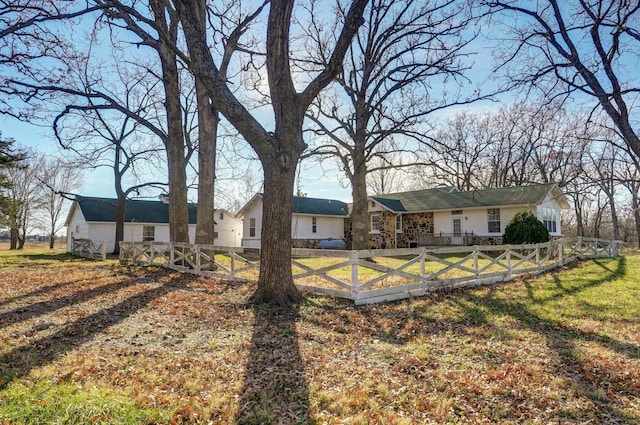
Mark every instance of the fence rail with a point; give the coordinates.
(89, 249)
(372, 276)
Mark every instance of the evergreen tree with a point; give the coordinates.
(9, 157)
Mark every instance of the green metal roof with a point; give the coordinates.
(451, 199)
(104, 210)
(317, 206)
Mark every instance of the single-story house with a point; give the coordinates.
(447, 216)
(145, 220)
(313, 221)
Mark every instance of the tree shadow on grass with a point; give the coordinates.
(21, 360)
(41, 308)
(563, 340)
(275, 389)
(40, 291)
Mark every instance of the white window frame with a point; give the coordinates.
(314, 224)
(148, 233)
(492, 213)
(252, 227)
(550, 219)
(376, 219)
(399, 223)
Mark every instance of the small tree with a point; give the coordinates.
(524, 227)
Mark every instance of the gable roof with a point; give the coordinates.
(309, 206)
(135, 210)
(318, 206)
(451, 199)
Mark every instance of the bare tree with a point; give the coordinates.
(22, 198)
(59, 179)
(403, 50)
(208, 117)
(629, 178)
(605, 161)
(577, 48)
(278, 150)
(386, 174)
(113, 119)
(458, 156)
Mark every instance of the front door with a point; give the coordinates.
(456, 238)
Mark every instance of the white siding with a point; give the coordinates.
(229, 229)
(326, 227)
(473, 220)
(301, 226)
(77, 226)
(550, 202)
(254, 210)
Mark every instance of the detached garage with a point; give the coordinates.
(144, 220)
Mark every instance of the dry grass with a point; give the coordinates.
(84, 342)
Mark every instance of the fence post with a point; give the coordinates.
(423, 254)
(198, 260)
(172, 256)
(103, 250)
(355, 286)
(561, 253)
(508, 259)
(475, 259)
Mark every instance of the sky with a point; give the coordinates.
(314, 180)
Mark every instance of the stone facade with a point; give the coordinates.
(412, 225)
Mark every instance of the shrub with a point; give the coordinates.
(524, 227)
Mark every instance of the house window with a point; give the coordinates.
(398, 224)
(314, 225)
(215, 235)
(77, 228)
(549, 219)
(148, 233)
(221, 215)
(493, 218)
(375, 223)
(252, 227)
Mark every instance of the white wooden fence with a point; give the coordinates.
(89, 249)
(372, 276)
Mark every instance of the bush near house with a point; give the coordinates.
(524, 227)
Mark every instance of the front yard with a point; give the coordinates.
(84, 342)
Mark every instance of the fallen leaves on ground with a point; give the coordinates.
(192, 348)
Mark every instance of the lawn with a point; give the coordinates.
(86, 342)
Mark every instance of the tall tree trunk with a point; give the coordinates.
(22, 238)
(359, 210)
(614, 219)
(579, 219)
(207, 134)
(278, 151)
(276, 281)
(635, 205)
(178, 210)
(120, 205)
(13, 241)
